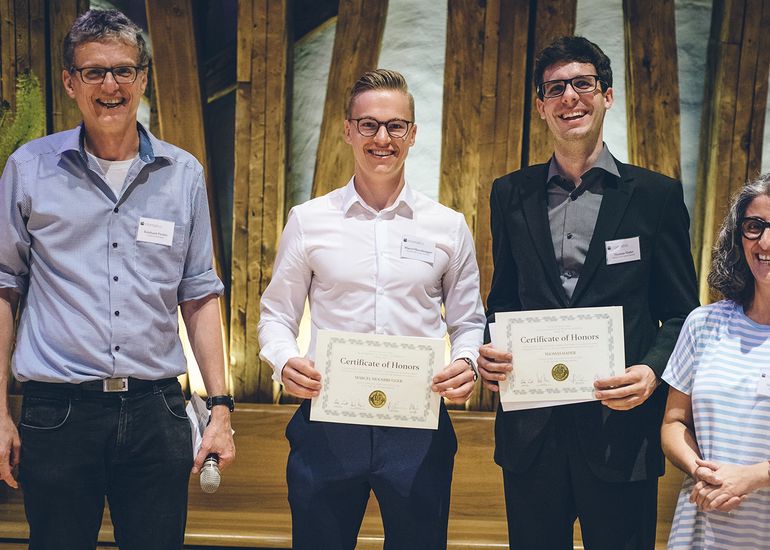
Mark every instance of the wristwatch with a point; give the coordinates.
(472, 365)
(215, 400)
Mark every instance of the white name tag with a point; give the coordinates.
(155, 231)
(763, 386)
(413, 248)
(623, 250)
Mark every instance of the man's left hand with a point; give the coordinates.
(217, 439)
(455, 382)
(628, 390)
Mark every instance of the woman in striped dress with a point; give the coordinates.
(717, 422)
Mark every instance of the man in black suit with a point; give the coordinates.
(551, 225)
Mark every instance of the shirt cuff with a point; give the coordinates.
(17, 283)
(277, 360)
(199, 286)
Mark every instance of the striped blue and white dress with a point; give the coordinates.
(718, 361)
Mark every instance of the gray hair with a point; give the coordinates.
(378, 79)
(99, 26)
(730, 274)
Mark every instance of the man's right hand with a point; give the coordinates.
(494, 365)
(10, 447)
(300, 378)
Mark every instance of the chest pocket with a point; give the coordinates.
(158, 262)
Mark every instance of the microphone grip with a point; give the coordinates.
(210, 477)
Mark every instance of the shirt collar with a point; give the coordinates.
(150, 147)
(603, 161)
(405, 200)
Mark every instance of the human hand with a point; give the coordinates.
(10, 447)
(628, 390)
(455, 381)
(217, 439)
(734, 483)
(494, 365)
(300, 378)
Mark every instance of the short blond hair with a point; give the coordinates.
(379, 79)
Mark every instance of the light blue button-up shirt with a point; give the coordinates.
(97, 301)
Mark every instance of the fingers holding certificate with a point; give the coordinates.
(377, 380)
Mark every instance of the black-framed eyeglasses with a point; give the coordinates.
(582, 84)
(95, 75)
(752, 227)
(396, 127)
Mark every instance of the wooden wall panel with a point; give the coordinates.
(553, 18)
(61, 14)
(734, 105)
(360, 24)
(652, 85)
(7, 52)
(259, 186)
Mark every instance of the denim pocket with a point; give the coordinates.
(45, 413)
(174, 401)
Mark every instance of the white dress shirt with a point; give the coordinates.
(346, 258)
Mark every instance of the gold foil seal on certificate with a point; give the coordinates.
(377, 399)
(560, 372)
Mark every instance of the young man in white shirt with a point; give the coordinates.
(343, 252)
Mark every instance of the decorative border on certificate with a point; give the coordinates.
(377, 380)
(557, 354)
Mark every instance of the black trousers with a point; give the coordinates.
(543, 502)
(332, 468)
(78, 447)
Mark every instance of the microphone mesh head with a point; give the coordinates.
(210, 479)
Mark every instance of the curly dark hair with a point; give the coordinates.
(730, 274)
(573, 48)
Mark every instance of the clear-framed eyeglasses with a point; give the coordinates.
(582, 84)
(95, 75)
(396, 127)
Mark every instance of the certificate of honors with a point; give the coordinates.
(377, 380)
(559, 353)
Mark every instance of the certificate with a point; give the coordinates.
(558, 354)
(377, 380)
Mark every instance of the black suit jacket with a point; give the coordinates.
(656, 292)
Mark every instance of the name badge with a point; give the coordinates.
(623, 250)
(155, 231)
(763, 385)
(413, 248)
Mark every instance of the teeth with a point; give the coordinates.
(381, 154)
(570, 116)
(763, 257)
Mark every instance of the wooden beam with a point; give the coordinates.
(7, 52)
(733, 117)
(553, 19)
(61, 14)
(652, 84)
(360, 24)
(260, 181)
(180, 110)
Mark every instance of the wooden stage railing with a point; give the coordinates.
(250, 510)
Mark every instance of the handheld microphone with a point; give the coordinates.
(210, 476)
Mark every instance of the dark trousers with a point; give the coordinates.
(332, 467)
(543, 502)
(78, 446)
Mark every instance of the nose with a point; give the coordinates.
(569, 93)
(382, 135)
(764, 240)
(109, 82)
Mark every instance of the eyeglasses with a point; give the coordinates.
(396, 127)
(752, 228)
(583, 84)
(96, 75)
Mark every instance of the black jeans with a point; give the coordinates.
(78, 446)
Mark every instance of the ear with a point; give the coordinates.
(69, 85)
(412, 135)
(540, 104)
(143, 81)
(609, 98)
(346, 133)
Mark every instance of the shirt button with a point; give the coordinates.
(117, 314)
(380, 291)
(114, 245)
(569, 235)
(117, 348)
(116, 209)
(115, 278)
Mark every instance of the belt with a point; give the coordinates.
(106, 385)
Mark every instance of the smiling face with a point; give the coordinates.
(380, 157)
(109, 107)
(573, 116)
(757, 252)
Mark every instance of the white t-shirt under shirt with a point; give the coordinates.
(114, 171)
(718, 361)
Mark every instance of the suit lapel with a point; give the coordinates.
(611, 213)
(533, 202)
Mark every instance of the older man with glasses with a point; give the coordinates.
(554, 227)
(106, 232)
